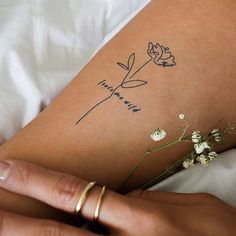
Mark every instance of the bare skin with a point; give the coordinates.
(108, 142)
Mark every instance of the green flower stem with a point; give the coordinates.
(170, 171)
(148, 152)
(186, 126)
(168, 145)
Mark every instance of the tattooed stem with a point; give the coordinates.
(93, 108)
(107, 98)
(140, 68)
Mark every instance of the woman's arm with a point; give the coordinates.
(81, 135)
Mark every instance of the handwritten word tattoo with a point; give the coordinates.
(132, 107)
(157, 53)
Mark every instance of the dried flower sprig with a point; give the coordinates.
(204, 146)
(202, 152)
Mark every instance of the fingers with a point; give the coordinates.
(61, 191)
(15, 225)
(174, 198)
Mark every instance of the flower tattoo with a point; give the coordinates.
(158, 53)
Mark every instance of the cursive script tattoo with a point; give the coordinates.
(158, 54)
(132, 107)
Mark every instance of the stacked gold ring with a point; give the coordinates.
(84, 196)
(98, 207)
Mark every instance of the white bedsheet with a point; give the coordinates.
(43, 44)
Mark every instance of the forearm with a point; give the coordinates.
(109, 139)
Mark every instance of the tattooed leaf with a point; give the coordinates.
(122, 65)
(131, 60)
(133, 83)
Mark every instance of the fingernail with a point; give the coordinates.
(4, 170)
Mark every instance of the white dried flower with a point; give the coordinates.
(188, 163)
(203, 160)
(218, 139)
(181, 116)
(214, 131)
(200, 147)
(212, 155)
(217, 135)
(158, 134)
(196, 137)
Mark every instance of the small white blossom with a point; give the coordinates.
(214, 131)
(203, 160)
(218, 139)
(212, 155)
(217, 135)
(181, 116)
(158, 134)
(200, 147)
(188, 163)
(196, 137)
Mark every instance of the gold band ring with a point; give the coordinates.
(98, 207)
(83, 197)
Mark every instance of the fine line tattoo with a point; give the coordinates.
(158, 54)
(132, 107)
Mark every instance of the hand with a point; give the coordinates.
(138, 213)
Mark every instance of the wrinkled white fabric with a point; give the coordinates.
(219, 179)
(43, 44)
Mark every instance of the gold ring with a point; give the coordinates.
(83, 197)
(98, 207)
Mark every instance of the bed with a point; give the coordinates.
(32, 35)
